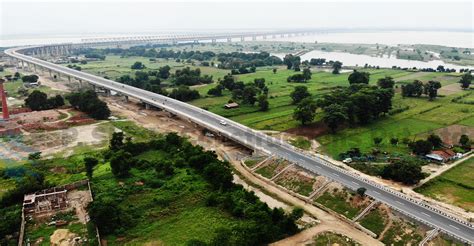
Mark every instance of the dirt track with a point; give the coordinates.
(158, 120)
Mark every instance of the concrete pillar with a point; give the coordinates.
(242, 39)
(195, 41)
(229, 40)
(34, 66)
(264, 36)
(80, 83)
(50, 73)
(69, 79)
(126, 99)
(214, 40)
(22, 64)
(147, 106)
(254, 38)
(282, 35)
(273, 36)
(59, 76)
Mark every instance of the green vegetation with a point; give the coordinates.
(455, 186)
(89, 103)
(330, 238)
(301, 143)
(402, 233)
(297, 184)
(374, 221)
(337, 201)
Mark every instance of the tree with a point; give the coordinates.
(274, 71)
(291, 61)
(464, 141)
(107, 215)
(299, 93)
(249, 95)
(361, 191)
(138, 65)
(164, 72)
(90, 163)
(183, 93)
(305, 111)
(30, 78)
(336, 66)
(116, 142)
(421, 147)
(414, 89)
(357, 77)
(431, 89)
(307, 74)
(435, 140)
(216, 91)
(377, 140)
(121, 162)
(334, 116)
(466, 80)
(386, 83)
(296, 213)
(263, 102)
(89, 103)
(407, 171)
(259, 83)
(394, 141)
(34, 156)
(37, 100)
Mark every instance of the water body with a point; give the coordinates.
(393, 38)
(386, 62)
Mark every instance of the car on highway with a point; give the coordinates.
(223, 122)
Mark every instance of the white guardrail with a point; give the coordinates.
(149, 97)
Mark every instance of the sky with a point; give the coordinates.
(76, 17)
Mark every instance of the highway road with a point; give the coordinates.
(258, 141)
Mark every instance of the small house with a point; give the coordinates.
(231, 105)
(443, 155)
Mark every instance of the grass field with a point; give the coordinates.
(336, 201)
(417, 117)
(455, 186)
(374, 221)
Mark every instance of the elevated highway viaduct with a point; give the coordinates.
(458, 228)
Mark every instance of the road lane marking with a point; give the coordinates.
(426, 214)
(399, 202)
(354, 183)
(454, 227)
(376, 192)
(335, 174)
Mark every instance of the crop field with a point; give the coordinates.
(272, 167)
(456, 186)
(421, 117)
(416, 116)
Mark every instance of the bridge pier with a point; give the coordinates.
(242, 39)
(50, 73)
(214, 41)
(254, 38)
(69, 79)
(264, 36)
(282, 35)
(229, 40)
(126, 99)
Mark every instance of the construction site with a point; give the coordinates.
(58, 216)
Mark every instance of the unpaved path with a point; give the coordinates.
(227, 151)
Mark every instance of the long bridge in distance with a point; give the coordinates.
(456, 227)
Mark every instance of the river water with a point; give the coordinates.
(454, 39)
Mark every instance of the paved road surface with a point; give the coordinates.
(262, 142)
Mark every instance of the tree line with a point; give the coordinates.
(259, 225)
(359, 103)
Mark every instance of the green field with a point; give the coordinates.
(456, 186)
(337, 201)
(415, 117)
(374, 221)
